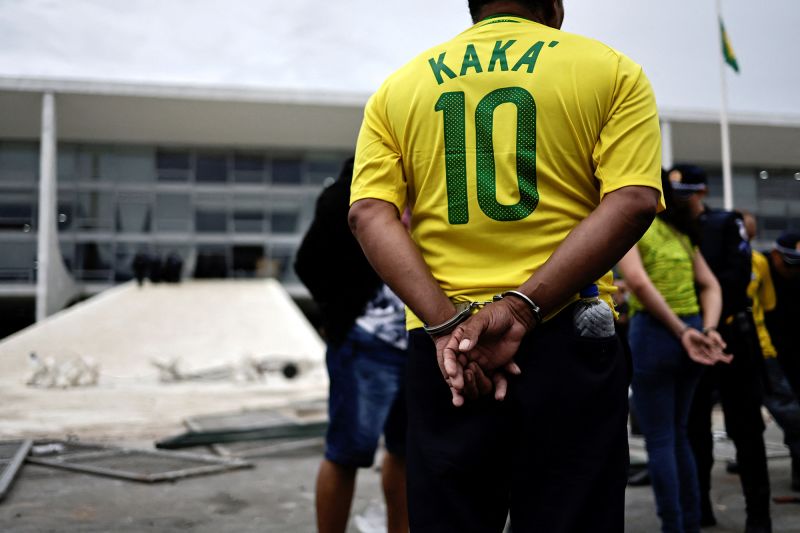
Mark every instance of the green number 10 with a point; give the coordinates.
(453, 106)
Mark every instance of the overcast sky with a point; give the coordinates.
(352, 45)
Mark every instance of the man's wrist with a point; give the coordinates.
(463, 310)
(523, 308)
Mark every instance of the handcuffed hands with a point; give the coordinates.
(476, 358)
(705, 348)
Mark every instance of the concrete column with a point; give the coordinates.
(667, 160)
(54, 285)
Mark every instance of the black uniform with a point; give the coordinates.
(725, 247)
(783, 323)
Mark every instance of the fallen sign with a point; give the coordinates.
(302, 424)
(12, 456)
(147, 466)
(290, 416)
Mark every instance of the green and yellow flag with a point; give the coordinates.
(727, 50)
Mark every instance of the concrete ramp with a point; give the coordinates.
(201, 324)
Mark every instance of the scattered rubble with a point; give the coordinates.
(249, 369)
(48, 373)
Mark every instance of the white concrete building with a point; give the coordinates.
(227, 177)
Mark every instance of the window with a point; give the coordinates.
(65, 218)
(67, 163)
(172, 165)
(212, 262)
(68, 254)
(95, 210)
(128, 164)
(211, 213)
(210, 220)
(321, 169)
(173, 212)
(17, 261)
(286, 172)
(283, 222)
(248, 213)
(93, 261)
(123, 260)
(248, 221)
(19, 162)
(774, 186)
(133, 212)
(248, 168)
(17, 210)
(89, 164)
(211, 168)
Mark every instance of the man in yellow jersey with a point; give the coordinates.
(530, 161)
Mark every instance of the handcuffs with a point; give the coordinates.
(464, 311)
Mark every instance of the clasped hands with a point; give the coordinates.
(476, 358)
(705, 348)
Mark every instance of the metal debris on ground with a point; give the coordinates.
(12, 456)
(782, 500)
(266, 431)
(148, 466)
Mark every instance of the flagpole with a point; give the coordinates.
(727, 176)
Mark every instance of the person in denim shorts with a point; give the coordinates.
(364, 327)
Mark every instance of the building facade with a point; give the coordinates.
(227, 178)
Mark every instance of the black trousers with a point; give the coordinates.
(790, 363)
(740, 390)
(555, 452)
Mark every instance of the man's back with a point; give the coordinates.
(494, 140)
(520, 118)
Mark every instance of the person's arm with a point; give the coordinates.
(394, 256)
(710, 296)
(492, 336)
(701, 348)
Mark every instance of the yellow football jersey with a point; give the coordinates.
(501, 141)
(762, 292)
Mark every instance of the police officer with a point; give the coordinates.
(725, 247)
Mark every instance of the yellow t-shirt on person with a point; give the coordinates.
(501, 141)
(762, 292)
(668, 258)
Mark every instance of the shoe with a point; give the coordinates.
(761, 525)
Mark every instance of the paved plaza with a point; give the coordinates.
(278, 496)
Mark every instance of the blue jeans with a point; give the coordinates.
(367, 399)
(664, 381)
